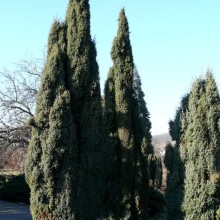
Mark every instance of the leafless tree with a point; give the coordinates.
(18, 91)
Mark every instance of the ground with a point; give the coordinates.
(14, 211)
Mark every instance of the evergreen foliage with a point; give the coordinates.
(175, 181)
(156, 203)
(71, 177)
(53, 142)
(159, 173)
(169, 157)
(218, 214)
(123, 73)
(143, 127)
(63, 161)
(118, 105)
(175, 128)
(83, 81)
(193, 163)
(128, 131)
(175, 178)
(143, 148)
(112, 188)
(200, 145)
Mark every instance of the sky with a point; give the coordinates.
(173, 42)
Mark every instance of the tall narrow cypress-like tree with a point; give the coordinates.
(83, 81)
(148, 167)
(111, 192)
(123, 72)
(142, 126)
(143, 148)
(175, 178)
(64, 158)
(52, 148)
(200, 145)
(128, 127)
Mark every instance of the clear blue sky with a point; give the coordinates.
(173, 42)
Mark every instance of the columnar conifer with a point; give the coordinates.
(172, 160)
(123, 72)
(83, 80)
(63, 161)
(200, 145)
(128, 126)
(143, 146)
(111, 194)
(51, 152)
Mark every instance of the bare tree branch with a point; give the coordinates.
(17, 104)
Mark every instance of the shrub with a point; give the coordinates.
(218, 214)
(14, 188)
(156, 202)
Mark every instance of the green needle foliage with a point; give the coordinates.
(83, 81)
(172, 160)
(118, 115)
(123, 77)
(63, 161)
(111, 192)
(143, 125)
(143, 147)
(193, 163)
(128, 131)
(53, 144)
(200, 146)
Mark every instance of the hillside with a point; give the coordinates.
(159, 142)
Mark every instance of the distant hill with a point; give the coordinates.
(159, 142)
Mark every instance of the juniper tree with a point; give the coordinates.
(52, 148)
(118, 111)
(175, 181)
(111, 192)
(169, 156)
(175, 127)
(172, 160)
(83, 82)
(148, 167)
(128, 127)
(143, 147)
(63, 162)
(200, 144)
(123, 73)
(143, 125)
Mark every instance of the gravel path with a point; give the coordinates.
(14, 211)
